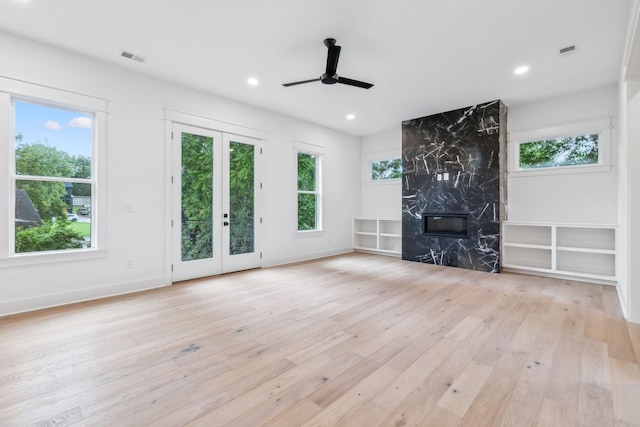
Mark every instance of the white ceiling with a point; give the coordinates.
(423, 56)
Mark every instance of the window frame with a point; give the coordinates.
(378, 156)
(371, 162)
(317, 152)
(601, 127)
(15, 90)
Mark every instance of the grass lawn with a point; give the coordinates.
(83, 228)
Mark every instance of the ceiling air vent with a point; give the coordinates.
(130, 55)
(567, 50)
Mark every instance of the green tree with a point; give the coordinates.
(241, 198)
(50, 236)
(40, 159)
(576, 150)
(307, 203)
(82, 169)
(386, 169)
(197, 197)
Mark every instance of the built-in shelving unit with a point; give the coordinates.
(579, 251)
(378, 235)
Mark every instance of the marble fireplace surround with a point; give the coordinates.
(455, 163)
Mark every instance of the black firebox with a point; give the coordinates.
(446, 224)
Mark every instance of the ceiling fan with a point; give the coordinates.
(330, 76)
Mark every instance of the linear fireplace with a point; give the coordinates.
(446, 224)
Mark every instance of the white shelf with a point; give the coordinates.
(586, 250)
(378, 235)
(580, 251)
(527, 245)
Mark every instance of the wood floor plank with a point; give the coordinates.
(465, 388)
(625, 385)
(288, 395)
(405, 383)
(349, 403)
(487, 407)
(440, 417)
(618, 340)
(295, 415)
(549, 414)
(352, 340)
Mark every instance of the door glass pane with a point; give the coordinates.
(241, 198)
(197, 197)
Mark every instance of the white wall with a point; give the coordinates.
(383, 198)
(137, 176)
(630, 295)
(629, 174)
(572, 198)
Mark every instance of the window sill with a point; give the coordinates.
(394, 181)
(309, 233)
(566, 170)
(51, 257)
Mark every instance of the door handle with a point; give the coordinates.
(226, 223)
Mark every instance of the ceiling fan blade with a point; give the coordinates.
(351, 82)
(333, 55)
(301, 82)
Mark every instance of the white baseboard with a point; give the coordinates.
(307, 257)
(623, 305)
(559, 276)
(72, 297)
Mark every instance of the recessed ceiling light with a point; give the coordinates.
(253, 81)
(351, 116)
(521, 70)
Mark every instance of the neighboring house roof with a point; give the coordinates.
(26, 213)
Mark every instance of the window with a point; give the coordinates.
(309, 217)
(573, 148)
(381, 167)
(52, 180)
(51, 155)
(386, 169)
(558, 152)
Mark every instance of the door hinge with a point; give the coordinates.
(260, 255)
(171, 223)
(171, 134)
(261, 151)
(172, 179)
(260, 220)
(261, 186)
(172, 267)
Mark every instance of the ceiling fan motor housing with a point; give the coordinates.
(329, 80)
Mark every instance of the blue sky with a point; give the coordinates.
(66, 130)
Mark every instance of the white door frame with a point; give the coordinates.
(176, 118)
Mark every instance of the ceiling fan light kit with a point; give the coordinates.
(330, 76)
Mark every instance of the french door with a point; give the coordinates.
(216, 215)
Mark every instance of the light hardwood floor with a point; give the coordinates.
(355, 340)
